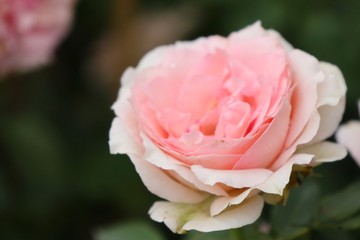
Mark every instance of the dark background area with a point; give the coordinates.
(57, 177)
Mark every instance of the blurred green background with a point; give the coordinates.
(57, 178)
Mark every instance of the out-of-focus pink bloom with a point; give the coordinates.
(349, 135)
(30, 30)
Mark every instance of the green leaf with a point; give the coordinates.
(223, 235)
(294, 219)
(252, 231)
(351, 224)
(341, 205)
(129, 231)
(332, 234)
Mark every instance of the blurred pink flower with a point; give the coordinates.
(30, 30)
(349, 135)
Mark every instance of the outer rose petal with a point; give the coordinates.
(159, 183)
(124, 132)
(232, 178)
(324, 152)
(152, 58)
(308, 75)
(273, 184)
(331, 101)
(121, 140)
(183, 217)
(349, 136)
(158, 158)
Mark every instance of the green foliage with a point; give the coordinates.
(228, 235)
(249, 232)
(129, 231)
(341, 205)
(295, 219)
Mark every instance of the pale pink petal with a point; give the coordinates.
(124, 95)
(265, 150)
(285, 44)
(199, 95)
(308, 75)
(252, 31)
(121, 140)
(222, 203)
(153, 57)
(349, 136)
(164, 161)
(276, 183)
(214, 161)
(307, 134)
(331, 101)
(177, 216)
(235, 216)
(324, 152)
(124, 133)
(159, 183)
(234, 120)
(175, 122)
(232, 178)
(333, 89)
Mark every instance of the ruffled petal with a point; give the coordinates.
(308, 75)
(184, 217)
(349, 136)
(265, 150)
(164, 161)
(160, 183)
(331, 101)
(121, 140)
(324, 152)
(232, 178)
(276, 183)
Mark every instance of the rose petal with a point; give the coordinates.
(308, 75)
(306, 136)
(252, 31)
(124, 132)
(265, 150)
(124, 95)
(333, 88)
(233, 178)
(221, 203)
(234, 217)
(121, 140)
(159, 183)
(155, 156)
(183, 217)
(276, 183)
(153, 57)
(349, 136)
(331, 99)
(324, 152)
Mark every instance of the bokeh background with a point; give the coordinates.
(57, 178)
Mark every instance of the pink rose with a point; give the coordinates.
(216, 125)
(349, 135)
(30, 30)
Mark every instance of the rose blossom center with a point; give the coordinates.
(220, 94)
